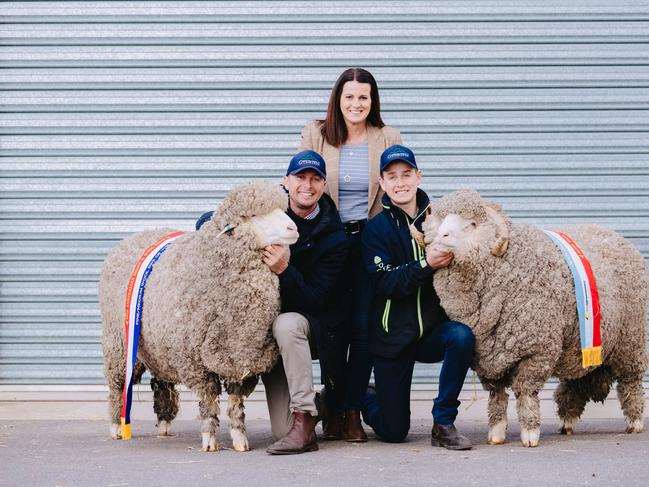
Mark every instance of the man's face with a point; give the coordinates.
(304, 189)
(400, 181)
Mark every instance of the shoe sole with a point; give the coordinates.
(355, 440)
(308, 448)
(434, 442)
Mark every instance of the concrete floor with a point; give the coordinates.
(60, 438)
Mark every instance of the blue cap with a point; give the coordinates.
(397, 153)
(307, 159)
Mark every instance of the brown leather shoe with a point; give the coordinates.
(353, 430)
(332, 427)
(300, 438)
(447, 436)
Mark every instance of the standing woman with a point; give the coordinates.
(351, 140)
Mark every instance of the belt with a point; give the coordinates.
(353, 227)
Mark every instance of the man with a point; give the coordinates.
(407, 323)
(313, 308)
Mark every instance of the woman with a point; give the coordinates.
(351, 139)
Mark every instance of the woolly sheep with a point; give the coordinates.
(511, 285)
(208, 310)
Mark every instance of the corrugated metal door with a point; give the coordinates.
(120, 116)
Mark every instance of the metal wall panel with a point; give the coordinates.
(120, 116)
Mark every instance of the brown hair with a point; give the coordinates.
(333, 127)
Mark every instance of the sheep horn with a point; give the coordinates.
(417, 236)
(499, 246)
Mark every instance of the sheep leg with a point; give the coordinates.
(570, 401)
(631, 396)
(115, 391)
(237, 423)
(209, 409)
(529, 417)
(115, 409)
(497, 410)
(527, 380)
(236, 393)
(165, 404)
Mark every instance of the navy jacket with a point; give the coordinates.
(312, 283)
(405, 304)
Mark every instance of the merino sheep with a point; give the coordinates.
(208, 310)
(511, 285)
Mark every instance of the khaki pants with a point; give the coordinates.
(289, 385)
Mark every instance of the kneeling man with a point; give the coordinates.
(407, 323)
(311, 324)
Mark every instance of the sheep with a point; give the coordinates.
(208, 310)
(510, 283)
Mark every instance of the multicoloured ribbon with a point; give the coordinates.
(133, 318)
(587, 298)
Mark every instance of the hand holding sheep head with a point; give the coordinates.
(438, 258)
(276, 257)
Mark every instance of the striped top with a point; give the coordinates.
(353, 182)
(314, 213)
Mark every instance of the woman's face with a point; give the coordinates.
(355, 102)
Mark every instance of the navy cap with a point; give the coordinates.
(397, 153)
(307, 159)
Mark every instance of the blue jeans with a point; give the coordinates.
(388, 411)
(359, 363)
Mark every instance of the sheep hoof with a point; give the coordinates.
(567, 426)
(497, 433)
(635, 426)
(530, 437)
(209, 442)
(115, 431)
(164, 428)
(239, 441)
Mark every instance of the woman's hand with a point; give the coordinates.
(276, 257)
(438, 258)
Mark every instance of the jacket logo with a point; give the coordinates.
(381, 266)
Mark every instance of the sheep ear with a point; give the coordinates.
(417, 236)
(499, 245)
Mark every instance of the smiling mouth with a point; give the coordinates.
(305, 194)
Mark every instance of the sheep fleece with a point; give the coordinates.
(202, 309)
(523, 303)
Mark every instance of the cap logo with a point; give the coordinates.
(396, 152)
(307, 160)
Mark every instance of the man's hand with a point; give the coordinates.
(276, 257)
(438, 258)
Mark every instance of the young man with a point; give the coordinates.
(407, 323)
(312, 299)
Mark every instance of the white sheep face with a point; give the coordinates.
(275, 227)
(454, 234)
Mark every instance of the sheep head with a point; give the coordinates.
(274, 228)
(261, 208)
(464, 223)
